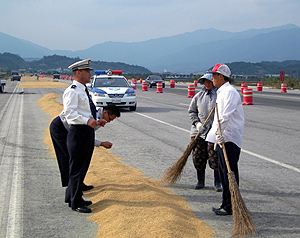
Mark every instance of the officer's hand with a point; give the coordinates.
(101, 122)
(106, 144)
(220, 140)
(199, 127)
(92, 123)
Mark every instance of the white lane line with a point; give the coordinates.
(245, 151)
(7, 104)
(15, 214)
(271, 160)
(179, 128)
(11, 167)
(6, 154)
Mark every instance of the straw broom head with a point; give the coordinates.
(172, 174)
(242, 222)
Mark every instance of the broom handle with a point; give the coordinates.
(223, 146)
(211, 112)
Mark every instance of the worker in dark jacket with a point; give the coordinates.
(200, 107)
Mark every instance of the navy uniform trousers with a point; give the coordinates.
(59, 139)
(233, 154)
(80, 144)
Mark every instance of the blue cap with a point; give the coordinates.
(205, 76)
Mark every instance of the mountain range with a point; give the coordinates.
(184, 53)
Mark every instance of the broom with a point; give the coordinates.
(242, 222)
(173, 173)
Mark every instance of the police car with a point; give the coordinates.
(110, 87)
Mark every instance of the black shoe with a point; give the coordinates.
(86, 203)
(83, 209)
(222, 212)
(215, 209)
(199, 185)
(218, 188)
(86, 187)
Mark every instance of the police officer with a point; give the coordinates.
(80, 114)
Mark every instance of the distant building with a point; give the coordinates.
(273, 75)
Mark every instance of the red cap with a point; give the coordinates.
(221, 69)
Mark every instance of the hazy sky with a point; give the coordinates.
(79, 24)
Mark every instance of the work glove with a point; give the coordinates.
(200, 127)
(215, 147)
(220, 140)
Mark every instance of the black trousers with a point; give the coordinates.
(233, 154)
(80, 144)
(59, 139)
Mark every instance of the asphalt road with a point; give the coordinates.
(31, 194)
(151, 139)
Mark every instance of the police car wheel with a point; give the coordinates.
(132, 108)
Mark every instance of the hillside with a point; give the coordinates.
(10, 61)
(197, 51)
(291, 68)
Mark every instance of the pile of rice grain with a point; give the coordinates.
(32, 82)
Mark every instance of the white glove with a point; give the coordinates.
(199, 127)
(220, 140)
(215, 147)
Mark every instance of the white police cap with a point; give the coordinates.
(83, 64)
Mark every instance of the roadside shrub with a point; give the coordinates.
(276, 83)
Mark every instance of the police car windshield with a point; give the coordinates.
(110, 82)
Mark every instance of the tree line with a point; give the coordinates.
(261, 69)
(243, 70)
(10, 62)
